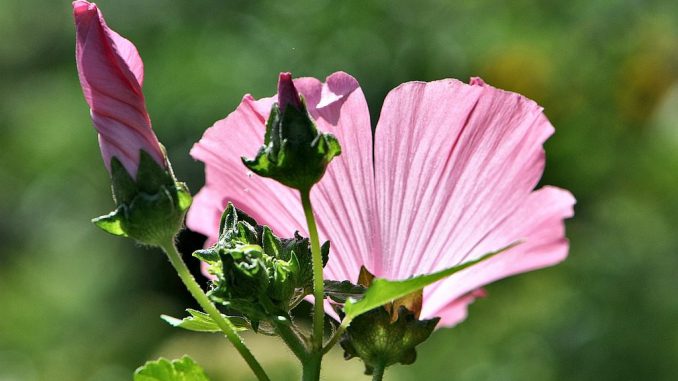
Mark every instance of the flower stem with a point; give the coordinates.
(333, 340)
(318, 292)
(295, 342)
(378, 373)
(199, 295)
(311, 367)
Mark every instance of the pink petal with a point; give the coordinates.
(111, 76)
(457, 310)
(455, 168)
(451, 161)
(538, 224)
(343, 200)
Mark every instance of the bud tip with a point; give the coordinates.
(287, 93)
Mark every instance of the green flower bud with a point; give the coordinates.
(381, 342)
(386, 335)
(256, 273)
(245, 271)
(149, 209)
(294, 153)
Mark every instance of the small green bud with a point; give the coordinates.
(381, 342)
(245, 271)
(294, 153)
(149, 209)
(385, 335)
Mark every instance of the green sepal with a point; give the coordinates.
(184, 198)
(245, 271)
(124, 187)
(202, 322)
(271, 244)
(209, 256)
(380, 341)
(149, 209)
(294, 153)
(151, 176)
(184, 369)
(325, 252)
(111, 223)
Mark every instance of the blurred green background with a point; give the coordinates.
(78, 304)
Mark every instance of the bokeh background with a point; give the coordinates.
(78, 304)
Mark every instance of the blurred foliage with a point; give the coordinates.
(605, 71)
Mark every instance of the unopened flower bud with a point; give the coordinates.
(389, 334)
(256, 273)
(287, 93)
(150, 202)
(294, 153)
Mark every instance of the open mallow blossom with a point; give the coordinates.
(111, 75)
(450, 177)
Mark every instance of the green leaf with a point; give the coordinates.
(382, 291)
(184, 369)
(111, 223)
(202, 322)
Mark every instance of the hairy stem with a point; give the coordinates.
(199, 295)
(333, 340)
(294, 341)
(318, 292)
(311, 367)
(378, 374)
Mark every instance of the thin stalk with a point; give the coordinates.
(295, 342)
(199, 295)
(378, 373)
(318, 292)
(333, 340)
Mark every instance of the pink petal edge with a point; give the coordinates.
(539, 227)
(111, 75)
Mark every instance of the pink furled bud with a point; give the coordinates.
(287, 93)
(111, 75)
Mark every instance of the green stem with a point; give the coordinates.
(311, 367)
(318, 292)
(295, 342)
(226, 326)
(333, 341)
(378, 373)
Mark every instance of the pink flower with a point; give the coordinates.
(451, 179)
(111, 75)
